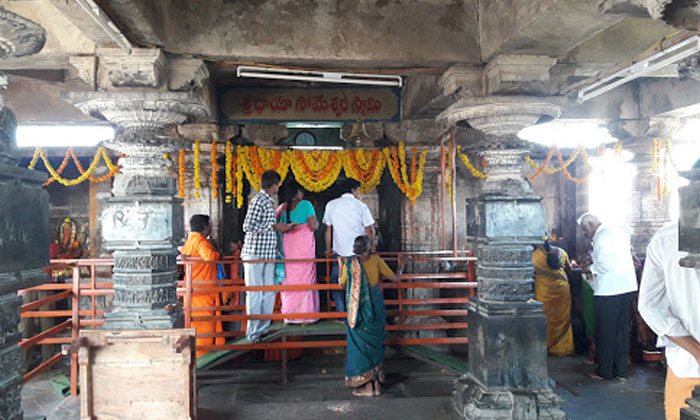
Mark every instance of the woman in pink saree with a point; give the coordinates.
(299, 243)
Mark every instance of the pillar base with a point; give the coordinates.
(474, 401)
(157, 319)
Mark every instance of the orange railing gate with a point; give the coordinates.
(399, 307)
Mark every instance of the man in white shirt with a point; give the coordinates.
(614, 283)
(669, 296)
(345, 218)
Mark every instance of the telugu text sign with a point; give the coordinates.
(331, 104)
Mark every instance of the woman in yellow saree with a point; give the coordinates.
(552, 289)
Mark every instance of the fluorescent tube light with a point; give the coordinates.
(667, 56)
(104, 22)
(319, 76)
(55, 135)
(316, 147)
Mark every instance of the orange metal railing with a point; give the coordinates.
(75, 318)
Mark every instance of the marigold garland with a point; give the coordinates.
(197, 186)
(227, 170)
(315, 170)
(396, 161)
(563, 165)
(56, 173)
(214, 180)
(365, 166)
(239, 176)
(84, 175)
(472, 170)
(181, 177)
(254, 161)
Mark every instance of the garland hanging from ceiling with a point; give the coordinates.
(84, 174)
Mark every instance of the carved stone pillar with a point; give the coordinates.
(24, 220)
(142, 222)
(649, 213)
(507, 376)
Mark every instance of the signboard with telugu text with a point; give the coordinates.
(332, 104)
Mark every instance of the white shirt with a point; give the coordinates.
(349, 217)
(668, 300)
(612, 268)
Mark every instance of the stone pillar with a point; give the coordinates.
(24, 220)
(649, 213)
(507, 376)
(142, 222)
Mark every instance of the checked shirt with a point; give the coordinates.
(260, 239)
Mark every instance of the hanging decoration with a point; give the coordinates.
(84, 174)
(447, 178)
(661, 162)
(228, 169)
(214, 180)
(365, 166)
(197, 185)
(563, 165)
(315, 170)
(239, 176)
(254, 161)
(396, 161)
(472, 170)
(181, 174)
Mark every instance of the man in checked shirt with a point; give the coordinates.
(260, 243)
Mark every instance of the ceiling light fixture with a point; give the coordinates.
(104, 22)
(656, 61)
(319, 76)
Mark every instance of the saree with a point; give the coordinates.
(299, 243)
(366, 316)
(552, 289)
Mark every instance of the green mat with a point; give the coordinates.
(438, 357)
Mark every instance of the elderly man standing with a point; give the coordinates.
(614, 283)
(668, 301)
(260, 243)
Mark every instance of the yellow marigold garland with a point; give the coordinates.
(254, 161)
(181, 177)
(365, 166)
(563, 165)
(197, 186)
(472, 170)
(239, 176)
(56, 173)
(229, 175)
(214, 180)
(315, 170)
(396, 161)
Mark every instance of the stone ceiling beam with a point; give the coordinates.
(86, 24)
(538, 27)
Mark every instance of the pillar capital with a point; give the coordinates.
(499, 115)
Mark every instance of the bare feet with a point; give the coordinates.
(595, 376)
(365, 391)
(377, 388)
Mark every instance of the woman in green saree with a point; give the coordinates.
(366, 319)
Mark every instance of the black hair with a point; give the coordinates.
(553, 260)
(289, 192)
(350, 184)
(361, 245)
(199, 222)
(269, 178)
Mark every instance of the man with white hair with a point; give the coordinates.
(614, 282)
(668, 301)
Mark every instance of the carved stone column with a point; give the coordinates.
(142, 222)
(649, 213)
(24, 220)
(507, 376)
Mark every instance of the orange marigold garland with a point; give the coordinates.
(365, 166)
(254, 161)
(197, 185)
(396, 161)
(181, 177)
(315, 170)
(60, 169)
(214, 180)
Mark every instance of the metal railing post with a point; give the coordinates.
(75, 330)
(188, 295)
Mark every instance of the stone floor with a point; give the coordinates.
(415, 390)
